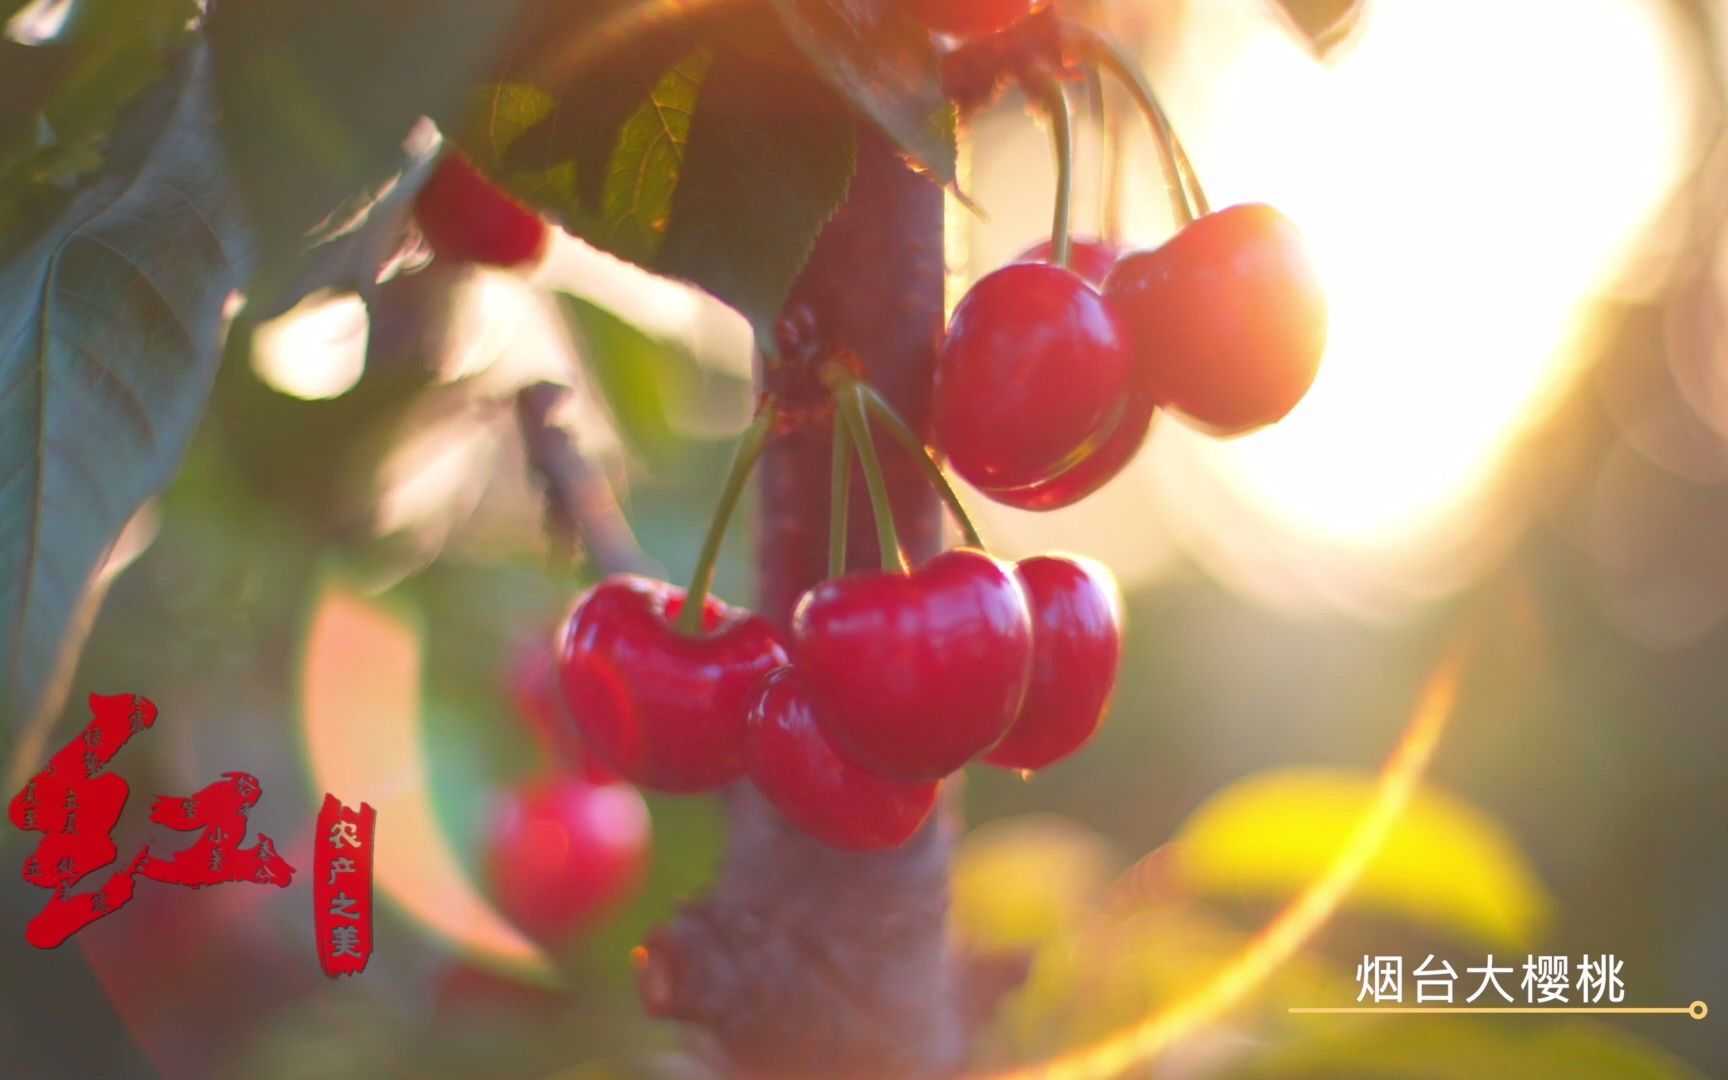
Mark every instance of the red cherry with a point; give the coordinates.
(1090, 258)
(798, 770)
(466, 218)
(1099, 468)
(973, 18)
(533, 683)
(663, 708)
(917, 673)
(1227, 319)
(1033, 378)
(1076, 650)
(561, 853)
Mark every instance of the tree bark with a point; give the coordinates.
(804, 960)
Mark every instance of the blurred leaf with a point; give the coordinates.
(881, 59)
(1021, 880)
(317, 98)
(360, 693)
(111, 319)
(643, 380)
(1465, 1049)
(1322, 25)
(703, 149)
(60, 98)
(1444, 863)
(552, 124)
(1031, 882)
(368, 231)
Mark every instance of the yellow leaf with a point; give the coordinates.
(1022, 880)
(1444, 864)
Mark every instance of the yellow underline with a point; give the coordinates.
(1697, 1010)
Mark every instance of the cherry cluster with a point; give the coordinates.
(888, 682)
(885, 682)
(1055, 365)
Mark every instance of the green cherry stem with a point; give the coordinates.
(849, 395)
(1054, 101)
(1108, 122)
(1187, 199)
(839, 496)
(913, 445)
(743, 461)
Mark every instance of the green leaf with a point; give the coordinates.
(61, 97)
(1444, 863)
(770, 159)
(318, 96)
(721, 170)
(1322, 25)
(643, 380)
(636, 202)
(366, 232)
(881, 59)
(111, 320)
(1437, 1048)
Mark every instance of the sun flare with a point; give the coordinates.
(1469, 176)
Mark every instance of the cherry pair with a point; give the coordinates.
(1049, 376)
(467, 218)
(898, 680)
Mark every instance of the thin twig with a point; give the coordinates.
(581, 509)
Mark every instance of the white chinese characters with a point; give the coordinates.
(1546, 980)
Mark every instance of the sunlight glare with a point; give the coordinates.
(1468, 175)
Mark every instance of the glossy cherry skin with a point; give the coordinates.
(1090, 258)
(1076, 652)
(1096, 469)
(916, 674)
(665, 709)
(972, 18)
(561, 853)
(796, 768)
(1227, 319)
(1033, 377)
(539, 702)
(466, 218)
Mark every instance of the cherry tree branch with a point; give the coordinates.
(581, 509)
(803, 960)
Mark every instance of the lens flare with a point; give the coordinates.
(1468, 175)
(1291, 928)
(360, 702)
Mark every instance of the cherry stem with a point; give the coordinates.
(743, 462)
(839, 496)
(913, 445)
(1050, 95)
(850, 397)
(1187, 199)
(1108, 123)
